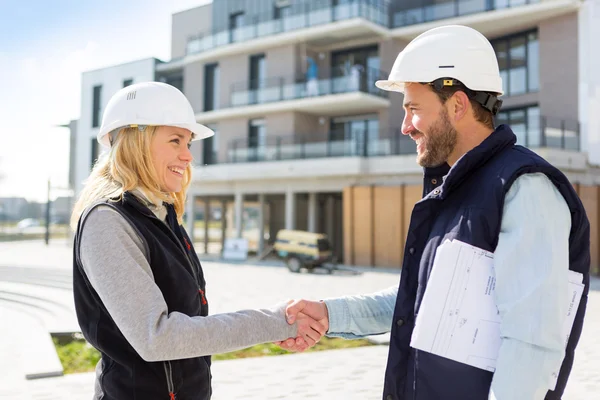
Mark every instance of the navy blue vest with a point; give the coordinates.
(467, 205)
(178, 274)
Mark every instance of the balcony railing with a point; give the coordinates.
(301, 15)
(318, 12)
(293, 147)
(551, 133)
(420, 11)
(280, 89)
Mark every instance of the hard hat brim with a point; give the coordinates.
(200, 131)
(390, 86)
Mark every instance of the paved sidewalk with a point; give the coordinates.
(30, 272)
(352, 374)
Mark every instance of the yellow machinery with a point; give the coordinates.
(301, 249)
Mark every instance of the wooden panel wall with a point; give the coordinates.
(589, 197)
(375, 223)
(388, 214)
(348, 205)
(362, 219)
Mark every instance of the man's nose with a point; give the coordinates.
(407, 126)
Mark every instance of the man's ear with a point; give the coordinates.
(459, 106)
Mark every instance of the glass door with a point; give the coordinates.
(359, 134)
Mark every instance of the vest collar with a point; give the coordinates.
(140, 202)
(502, 138)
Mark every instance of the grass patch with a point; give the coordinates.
(78, 356)
(270, 349)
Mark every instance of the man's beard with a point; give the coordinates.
(439, 142)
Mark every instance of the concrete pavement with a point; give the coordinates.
(29, 271)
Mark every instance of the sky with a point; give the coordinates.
(45, 45)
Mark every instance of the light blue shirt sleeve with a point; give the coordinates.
(531, 263)
(353, 317)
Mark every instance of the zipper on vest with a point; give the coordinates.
(169, 374)
(194, 272)
(415, 370)
(200, 291)
(192, 267)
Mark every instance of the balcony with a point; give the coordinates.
(358, 144)
(310, 14)
(552, 133)
(490, 17)
(360, 153)
(547, 132)
(342, 93)
(317, 23)
(425, 11)
(302, 157)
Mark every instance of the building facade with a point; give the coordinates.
(306, 141)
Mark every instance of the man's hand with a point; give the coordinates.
(299, 310)
(309, 329)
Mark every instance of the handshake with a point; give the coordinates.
(312, 318)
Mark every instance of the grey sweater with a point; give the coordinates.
(116, 265)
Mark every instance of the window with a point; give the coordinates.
(355, 69)
(282, 11)
(518, 59)
(258, 71)
(353, 131)
(257, 78)
(525, 123)
(97, 98)
(94, 153)
(211, 87)
(175, 80)
(127, 82)
(210, 148)
(257, 139)
(236, 22)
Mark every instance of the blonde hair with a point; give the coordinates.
(127, 166)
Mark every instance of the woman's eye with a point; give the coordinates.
(175, 141)
(189, 146)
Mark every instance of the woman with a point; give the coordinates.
(139, 287)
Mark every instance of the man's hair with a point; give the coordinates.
(127, 166)
(481, 114)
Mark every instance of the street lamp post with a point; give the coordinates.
(50, 188)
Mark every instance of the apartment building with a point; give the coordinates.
(306, 139)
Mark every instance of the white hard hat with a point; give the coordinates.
(149, 104)
(451, 51)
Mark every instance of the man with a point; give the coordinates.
(482, 189)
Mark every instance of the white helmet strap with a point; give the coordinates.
(489, 101)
